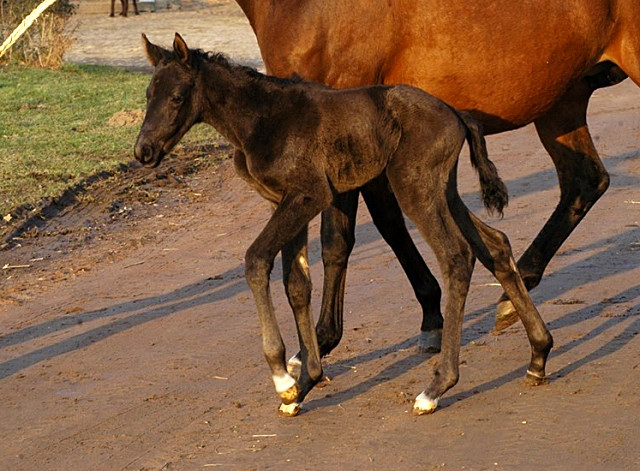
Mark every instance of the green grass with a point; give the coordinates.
(54, 131)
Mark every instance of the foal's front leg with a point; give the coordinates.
(288, 221)
(297, 284)
(338, 237)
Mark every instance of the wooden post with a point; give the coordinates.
(26, 23)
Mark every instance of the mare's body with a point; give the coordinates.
(301, 145)
(507, 62)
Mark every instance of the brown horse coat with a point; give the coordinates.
(301, 145)
(508, 62)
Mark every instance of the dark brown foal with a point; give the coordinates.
(301, 145)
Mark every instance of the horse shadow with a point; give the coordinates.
(207, 292)
(414, 360)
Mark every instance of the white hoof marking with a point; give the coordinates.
(289, 410)
(294, 362)
(283, 383)
(424, 404)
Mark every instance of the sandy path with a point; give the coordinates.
(151, 360)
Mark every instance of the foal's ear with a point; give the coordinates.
(155, 54)
(181, 49)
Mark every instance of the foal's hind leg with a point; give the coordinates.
(387, 217)
(422, 198)
(494, 251)
(456, 264)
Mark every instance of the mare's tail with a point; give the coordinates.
(494, 192)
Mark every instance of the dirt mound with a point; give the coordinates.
(126, 118)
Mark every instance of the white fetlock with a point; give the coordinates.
(424, 404)
(294, 365)
(283, 383)
(286, 387)
(289, 410)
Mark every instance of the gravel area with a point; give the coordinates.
(219, 26)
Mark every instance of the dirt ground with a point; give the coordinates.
(129, 339)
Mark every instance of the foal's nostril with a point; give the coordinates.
(147, 154)
(144, 153)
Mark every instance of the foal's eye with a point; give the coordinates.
(177, 99)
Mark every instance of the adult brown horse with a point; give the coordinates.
(508, 63)
(125, 7)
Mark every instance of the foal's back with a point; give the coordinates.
(359, 131)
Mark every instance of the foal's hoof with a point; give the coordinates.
(290, 395)
(506, 315)
(430, 341)
(294, 365)
(534, 379)
(289, 410)
(424, 405)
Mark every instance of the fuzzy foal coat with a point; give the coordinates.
(301, 145)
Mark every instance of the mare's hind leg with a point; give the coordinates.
(493, 250)
(288, 220)
(582, 177)
(387, 217)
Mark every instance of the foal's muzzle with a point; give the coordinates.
(148, 154)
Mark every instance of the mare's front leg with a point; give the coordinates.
(288, 221)
(582, 177)
(387, 217)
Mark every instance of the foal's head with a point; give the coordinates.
(173, 101)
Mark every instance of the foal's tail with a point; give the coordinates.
(494, 191)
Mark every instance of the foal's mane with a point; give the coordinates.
(199, 56)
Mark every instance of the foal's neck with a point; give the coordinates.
(238, 99)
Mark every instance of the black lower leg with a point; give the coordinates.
(387, 217)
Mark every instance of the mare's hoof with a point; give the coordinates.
(289, 410)
(506, 315)
(424, 405)
(430, 342)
